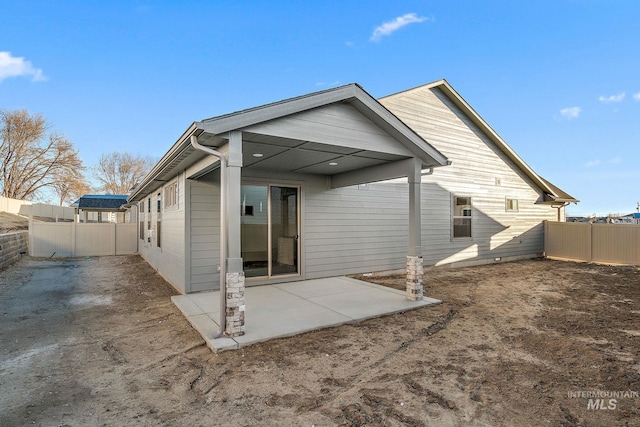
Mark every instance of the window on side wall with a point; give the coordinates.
(141, 219)
(511, 205)
(171, 196)
(159, 220)
(462, 215)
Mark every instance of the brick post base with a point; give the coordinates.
(235, 305)
(414, 278)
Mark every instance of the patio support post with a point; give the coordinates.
(235, 276)
(414, 256)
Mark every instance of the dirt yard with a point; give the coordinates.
(97, 342)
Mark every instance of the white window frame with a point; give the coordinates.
(454, 217)
(158, 220)
(508, 208)
(171, 201)
(141, 220)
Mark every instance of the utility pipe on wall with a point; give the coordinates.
(223, 230)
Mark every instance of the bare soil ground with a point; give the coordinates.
(11, 222)
(97, 342)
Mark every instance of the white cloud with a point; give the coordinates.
(390, 27)
(571, 112)
(613, 98)
(615, 160)
(612, 161)
(11, 66)
(636, 96)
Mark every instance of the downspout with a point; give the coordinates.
(564, 205)
(135, 205)
(223, 230)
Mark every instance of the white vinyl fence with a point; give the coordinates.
(26, 208)
(603, 243)
(70, 239)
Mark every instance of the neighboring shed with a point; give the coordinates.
(337, 182)
(105, 207)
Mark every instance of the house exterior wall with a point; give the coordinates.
(168, 258)
(365, 228)
(479, 170)
(355, 229)
(341, 124)
(203, 231)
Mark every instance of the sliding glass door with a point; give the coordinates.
(270, 230)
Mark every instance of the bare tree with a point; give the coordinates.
(71, 190)
(118, 172)
(31, 159)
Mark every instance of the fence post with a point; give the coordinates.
(637, 239)
(30, 233)
(546, 238)
(590, 242)
(74, 235)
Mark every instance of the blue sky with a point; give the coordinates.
(559, 80)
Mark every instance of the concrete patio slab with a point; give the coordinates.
(287, 309)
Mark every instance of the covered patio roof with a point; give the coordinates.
(272, 140)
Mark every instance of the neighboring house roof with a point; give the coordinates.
(211, 132)
(101, 202)
(552, 194)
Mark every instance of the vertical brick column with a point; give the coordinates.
(235, 304)
(414, 278)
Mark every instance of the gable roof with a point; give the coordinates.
(352, 93)
(212, 132)
(552, 194)
(105, 202)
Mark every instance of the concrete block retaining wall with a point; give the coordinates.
(12, 247)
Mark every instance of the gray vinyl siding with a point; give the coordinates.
(172, 259)
(169, 258)
(355, 230)
(341, 124)
(479, 170)
(204, 234)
